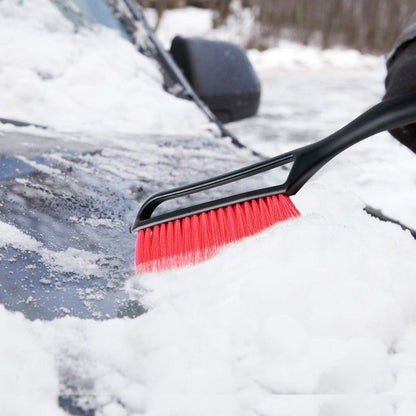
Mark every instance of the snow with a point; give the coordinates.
(28, 370)
(289, 55)
(191, 21)
(71, 260)
(314, 317)
(13, 236)
(232, 338)
(92, 80)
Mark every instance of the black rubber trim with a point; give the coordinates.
(377, 213)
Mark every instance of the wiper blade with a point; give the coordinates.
(19, 123)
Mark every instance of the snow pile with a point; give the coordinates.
(326, 327)
(28, 377)
(325, 317)
(92, 80)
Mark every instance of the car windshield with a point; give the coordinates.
(83, 72)
(90, 12)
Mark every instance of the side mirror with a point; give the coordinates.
(220, 74)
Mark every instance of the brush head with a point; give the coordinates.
(191, 240)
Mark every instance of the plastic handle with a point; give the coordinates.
(387, 115)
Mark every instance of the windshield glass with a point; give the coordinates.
(90, 12)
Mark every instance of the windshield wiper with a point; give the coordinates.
(19, 123)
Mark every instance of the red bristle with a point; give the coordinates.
(248, 215)
(162, 246)
(204, 233)
(265, 215)
(143, 247)
(230, 221)
(256, 217)
(214, 229)
(177, 239)
(154, 251)
(221, 230)
(240, 229)
(147, 254)
(186, 238)
(290, 206)
(162, 241)
(277, 208)
(272, 211)
(197, 238)
(140, 248)
(279, 212)
(284, 208)
(169, 243)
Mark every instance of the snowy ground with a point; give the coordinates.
(315, 317)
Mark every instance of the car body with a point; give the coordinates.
(68, 198)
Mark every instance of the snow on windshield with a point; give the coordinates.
(92, 80)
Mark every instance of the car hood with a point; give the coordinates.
(67, 201)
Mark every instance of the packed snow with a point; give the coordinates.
(314, 317)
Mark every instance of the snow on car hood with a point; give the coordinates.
(67, 202)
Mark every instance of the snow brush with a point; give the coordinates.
(189, 235)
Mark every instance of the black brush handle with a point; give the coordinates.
(387, 115)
